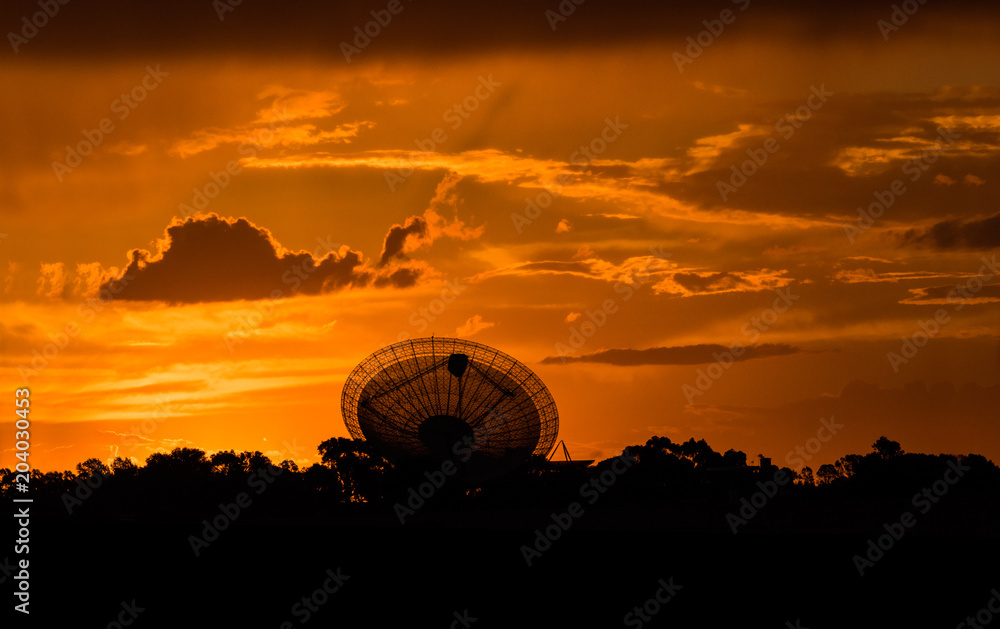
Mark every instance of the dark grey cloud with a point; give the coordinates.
(402, 277)
(316, 28)
(683, 355)
(977, 233)
(392, 246)
(711, 282)
(210, 258)
(802, 177)
(560, 266)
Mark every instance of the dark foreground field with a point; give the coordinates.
(670, 536)
(433, 572)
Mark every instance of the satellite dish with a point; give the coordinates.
(430, 400)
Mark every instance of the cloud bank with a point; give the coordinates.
(211, 258)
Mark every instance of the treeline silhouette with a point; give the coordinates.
(666, 484)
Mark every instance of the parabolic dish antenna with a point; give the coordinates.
(435, 399)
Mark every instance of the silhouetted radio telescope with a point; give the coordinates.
(429, 400)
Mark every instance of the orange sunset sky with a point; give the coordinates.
(272, 210)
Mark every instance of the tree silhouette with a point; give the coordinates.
(361, 470)
(699, 452)
(734, 457)
(849, 465)
(254, 461)
(887, 448)
(227, 463)
(180, 461)
(52, 482)
(807, 476)
(323, 481)
(124, 467)
(665, 469)
(92, 467)
(827, 473)
(666, 481)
